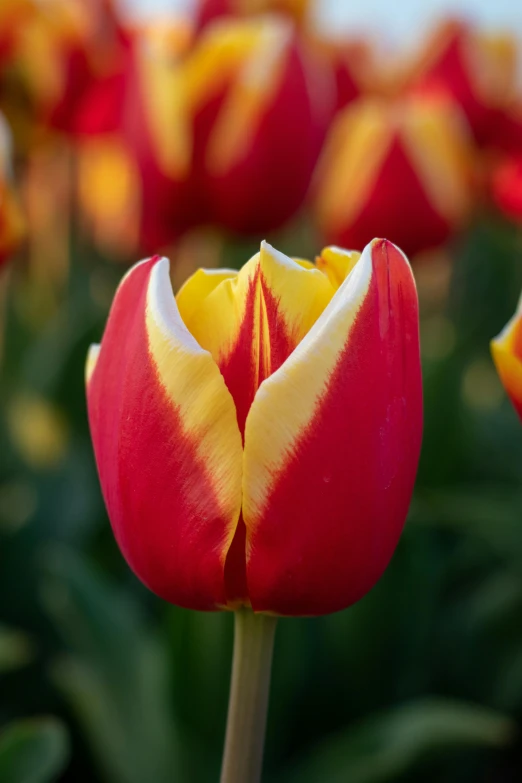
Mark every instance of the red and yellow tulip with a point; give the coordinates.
(399, 168)
(134, 165)
(507, 355)
(58, 49)
(257, 436)
(260, 107)
(225, 132)
(477, 69)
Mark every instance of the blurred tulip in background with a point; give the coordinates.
(403, 165)
(507, 353)
(476, 68)
(260, 112)
(225, 132)
(506, 186)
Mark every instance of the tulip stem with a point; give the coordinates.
(248, 702)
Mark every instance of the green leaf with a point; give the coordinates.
(489, 514)
(115, 675)
(33, 751)
(16, 649)
(384, 747)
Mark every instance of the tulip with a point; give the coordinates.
(257, 440)
(507, 355)
(401, 168)
(88, 46)
(478, 70)
(260, 104)
(506, 186)
(59, 49)
(257, 437)
(134, 156)
(209, 10)
(226, 132)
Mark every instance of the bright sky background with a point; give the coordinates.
(402, 19)
(395, 24)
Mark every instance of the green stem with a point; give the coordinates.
(248, 702)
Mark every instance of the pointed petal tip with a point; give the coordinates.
(385, 254)
(267, 249)
(150, 260)
(385, 246)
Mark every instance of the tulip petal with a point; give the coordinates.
(332, 443)
(156, 74)
(354, 154)
(337, 264)
(196, 289)
(166, 441)
(507, 355)
(251, 322)
(437, 144)
(418, 142)
(249, 58)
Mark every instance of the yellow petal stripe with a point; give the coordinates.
(439, 147)
(354, 152)
(209, 417)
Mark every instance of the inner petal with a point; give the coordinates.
(196, 289)
(337, 264)
(252, 321)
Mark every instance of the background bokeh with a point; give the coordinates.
(99, 680)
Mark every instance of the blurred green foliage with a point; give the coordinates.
(33, 751)
(422, 680)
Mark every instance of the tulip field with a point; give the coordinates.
(261, 397)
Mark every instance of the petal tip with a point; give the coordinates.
(385, 252)
(267, 251)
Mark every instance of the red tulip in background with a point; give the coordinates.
(476, 69)
(134, 166)
(257, 437)
(508, 129)
(399, 166)
(507, 354)
(59, 49)
(226, 132)
(260, 110)
(90, 55)
(506, 187)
